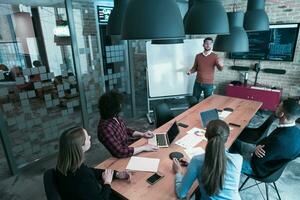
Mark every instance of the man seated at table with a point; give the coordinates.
(112, 131)
(274, 151)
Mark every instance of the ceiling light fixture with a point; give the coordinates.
(116, 17)
(237, 40)
(206, 17)
(256, 18)
(152, 19)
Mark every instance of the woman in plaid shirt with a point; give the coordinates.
(112, 131)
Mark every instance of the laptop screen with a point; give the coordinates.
(208, 116)
(173, 132)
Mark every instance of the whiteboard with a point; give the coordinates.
(167, 67)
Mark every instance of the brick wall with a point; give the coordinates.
(279, 11)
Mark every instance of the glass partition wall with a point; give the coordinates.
(56, 60)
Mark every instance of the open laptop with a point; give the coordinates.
(165, 139)
(207, 116)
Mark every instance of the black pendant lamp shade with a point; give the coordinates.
(170, 41)
(152, 19)
(190, 4)
(256, 18)
(237, 40)
(206, 17)
(116, 17)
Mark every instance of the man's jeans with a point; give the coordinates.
(206, 88)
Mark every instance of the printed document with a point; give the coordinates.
(143, 164)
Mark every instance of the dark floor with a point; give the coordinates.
(28, 184)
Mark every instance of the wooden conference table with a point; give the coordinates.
(138, 188)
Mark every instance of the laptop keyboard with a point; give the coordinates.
(161, 140)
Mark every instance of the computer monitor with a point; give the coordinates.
(207, 116)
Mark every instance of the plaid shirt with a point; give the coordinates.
(115, 136)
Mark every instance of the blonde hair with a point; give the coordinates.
(70, 155)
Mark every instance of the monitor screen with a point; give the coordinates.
(103, 14)
(277, 44)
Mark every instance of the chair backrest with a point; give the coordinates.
(162, 114)
(274, 176)
(192, 101)
(50, 185)
(254, 135)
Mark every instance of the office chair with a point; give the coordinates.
(272, 178)
(50, 185)
(192, 101)
(254, 135)
(162, 114)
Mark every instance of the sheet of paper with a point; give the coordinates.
(224, 114)
(194, 151)
(190, 140)
(143, 164)
(196, 131)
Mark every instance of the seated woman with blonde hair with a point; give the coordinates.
(73, 178)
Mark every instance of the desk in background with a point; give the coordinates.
(270, 98)
(164, 189)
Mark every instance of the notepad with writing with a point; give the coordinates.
(143, 164)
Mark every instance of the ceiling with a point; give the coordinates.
(33, 2)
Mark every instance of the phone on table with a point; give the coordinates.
(234, 124)
(182, 125)
(154, 178)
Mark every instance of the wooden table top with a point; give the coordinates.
(138, 188)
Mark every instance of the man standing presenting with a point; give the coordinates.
(204, 65)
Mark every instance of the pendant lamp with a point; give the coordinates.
(116, 17)
(206, 17)
(190, 4)
(152, 19)
(170, 41)
(237, 40)
(256, 18)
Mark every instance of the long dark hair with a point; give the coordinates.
(214, 167)
(70, 155)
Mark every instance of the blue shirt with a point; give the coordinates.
(231, 179)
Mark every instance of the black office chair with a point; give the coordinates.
(192, 101)
(162, 114)
(254, 135)
(270, 179)
(50, 185)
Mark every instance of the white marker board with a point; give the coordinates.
(167, 67)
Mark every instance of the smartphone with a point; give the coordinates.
(154, 178)
(182, 125)
(233, 124)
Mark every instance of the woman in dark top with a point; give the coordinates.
(73, 178)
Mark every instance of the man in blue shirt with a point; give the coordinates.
(280, 147)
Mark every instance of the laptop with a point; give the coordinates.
(207, 116)
(165, 139)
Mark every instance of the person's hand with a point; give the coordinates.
(107, 176)
(220, 61)
(149, 147)
(183, 162)
(259, 151)
(176, 166)
(148, 134)
(124, 175)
